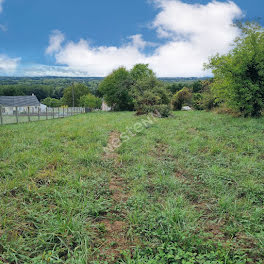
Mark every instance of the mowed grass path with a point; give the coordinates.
(192, 185)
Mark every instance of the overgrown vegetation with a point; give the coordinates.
(52, 102)
(138, 89)
(116, 90)
(182, 97)
(239, 75)
(90, 101)
(192, 190)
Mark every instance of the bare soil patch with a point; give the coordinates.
(114, 142)
(115, 239)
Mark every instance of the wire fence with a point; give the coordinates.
(12, 115)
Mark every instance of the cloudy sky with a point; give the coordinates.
(91, 38)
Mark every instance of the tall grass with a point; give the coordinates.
(195, 182)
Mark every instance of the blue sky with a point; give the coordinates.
(117, 32)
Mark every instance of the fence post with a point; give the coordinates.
(28, 114)
(53, 112)
(38, 113)
(1, 115)
(63, 112)
(17, 114)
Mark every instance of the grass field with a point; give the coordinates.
(11, 119)
(187, 189)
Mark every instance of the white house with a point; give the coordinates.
(43, 108)
(9, 104)
(105, 107)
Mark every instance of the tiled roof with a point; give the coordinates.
(19, 101)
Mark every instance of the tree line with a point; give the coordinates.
(237, 86)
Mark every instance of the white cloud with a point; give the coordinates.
(99, 61)
(8, 65)
(192, 33)
(56, 39)
(1, 5)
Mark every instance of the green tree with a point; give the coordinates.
(151, 96)
(180, 98)
(52, 102)
(91, 101)
(239, 75)
(175, 87)
(141, 71)
(116, 90)
(74, 93)
(197, 86)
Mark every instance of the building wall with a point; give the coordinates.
(21, 110)
(105, 107)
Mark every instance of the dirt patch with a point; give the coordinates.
(114, 225)
(115, 239)
(193, 131)
(46, 175)
(114, 142)
(116, 186)
(161, 152)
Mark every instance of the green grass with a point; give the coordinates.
(11, 119)
(195, 183)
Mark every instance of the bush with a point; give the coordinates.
(205, 101)
(150, 95)
(158, 110)
(239, 75)
(52, 102)
(197, 101)
(180, 98)
(223, 109)
(78, 90)
(91, 101)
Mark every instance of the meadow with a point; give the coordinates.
(183, 189)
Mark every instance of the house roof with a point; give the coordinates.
(19, 101)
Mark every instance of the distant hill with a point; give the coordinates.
(15, 80)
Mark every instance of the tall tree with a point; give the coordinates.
(116, 90)
(239, 75)
(141, 71)
(73, 93)
(91, 101)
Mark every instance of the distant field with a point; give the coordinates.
(187, 189)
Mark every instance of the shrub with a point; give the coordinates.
(158, 110)
(239, 75)
(180, 98)
(151, 96)
(197, 101)
(91, 101)
(52, 102)
(74, 93)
